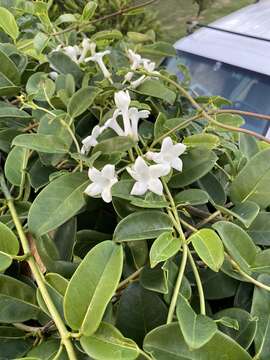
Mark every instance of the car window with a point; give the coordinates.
(248, 90)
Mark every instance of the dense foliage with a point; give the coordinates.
(134, 218)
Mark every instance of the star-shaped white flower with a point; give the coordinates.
(147, 177)
(169, 154)
(135, 59)
(91, 140)
(122, 102)
(102, 182)
(73, 52)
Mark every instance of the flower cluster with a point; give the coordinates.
(137, 62)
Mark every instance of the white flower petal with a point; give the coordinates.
(167, 144)
(141, 167)
(177, 164)
(179, 149)
(159, 170)
(93, 189)
(94, 174)
(122, 100)
(108, 171)
(155, 185)
(139, 188)
(106, 194)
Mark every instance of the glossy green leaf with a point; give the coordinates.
(196, 164)
(81, 100)
(157, 89)
(246, 212)
(191, 197)
(238, 243)
(197, 330)
(164, 247)
(47, 350)
(261, 310)
(229, 119)
(107, 343)
(253, 180)
(155, 279)
(160, 48)
(92, 286)
(13, 343)
(86, 239)
(217, 285)
(208, 141)
(15, 165)
(8, 68)
(214, 188)
(9, 245)
(8, 23)
(142, 225)
(40, 87)
(45, 143)
(247, 326)
(209, 247)
(63, 64)
(167, 343)
(259, 230)
(248, 145)
(114, 145)
(57, 203)
(107, 35)
(139, 311)
(261, 262)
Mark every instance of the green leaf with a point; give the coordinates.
(229, 119)
(214, 189)
(156, 89)
(208, 141)
(167, 343)
(107, 343)
(247, 326)
(85, 302)
(209, 247)
(9, 245)
(81, 100)
(196, 164)
(63, 64)
(197, 330)
(139, 311)
(238, 243)
(248, 145)
(261, 310)
(40, 87)
(8, 68)
(8, 23)
(114, 145)
(164, 247)
(155, 279)
(15, 165)
(87, 239)
(261, 263)
(47, 350)
(17, 301)
(50, 144)
(259, 230)
(142, 225)
(217, 285)
(159, 48)
(57, 203)
(13, 343)
(191, 197)
(107, 35)
(253, 180)
(246, 212)
(89, 10)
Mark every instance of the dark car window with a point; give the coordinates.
(248, 90)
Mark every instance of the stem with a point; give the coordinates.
(148, 357)
(205, 114)
(198, 282)
(248, 277)
(178, 284)
(64, 333)
(241, 112)
(129, 278)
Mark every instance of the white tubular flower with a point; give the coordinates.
(135, 59)
(135, 115)
(53, 75)
(149, 65)
(91, 140)
(147, 177)
(122, 101)
(113, 124)
(134, 84)
(102, 182)
(169, 154)
(86, 46)
(73, 52)
(98, 58)
(129, 76)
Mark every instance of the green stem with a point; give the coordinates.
(148, 357)
(129, 278)
(178, 284)
(198, 282)
(38, 276)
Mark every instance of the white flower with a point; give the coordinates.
(135, 115)
(135, 83)
(129, 76)
(98, 58)
(122, 101)
(91, 140)
(53, 75)
(169, 154)
(73, 52)
(149, 65)
(147, 177)
(135, 59)
(86, 46)
(113, 124)
(102, 182)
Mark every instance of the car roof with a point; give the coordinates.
(242, 51)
